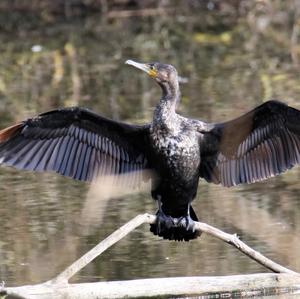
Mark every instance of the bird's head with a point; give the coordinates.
(164, 74)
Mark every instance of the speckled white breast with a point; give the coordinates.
(178, 152)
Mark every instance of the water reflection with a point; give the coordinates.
(47, 221)
(45, 226)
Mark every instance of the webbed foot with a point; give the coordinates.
(186, 222)
(163, 221)
(179, 229)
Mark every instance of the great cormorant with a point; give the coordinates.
(78, 143)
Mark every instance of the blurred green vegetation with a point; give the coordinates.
(62, 53)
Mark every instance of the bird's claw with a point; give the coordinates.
(164, 222)
(186, 222)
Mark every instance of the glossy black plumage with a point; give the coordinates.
(78, 143)
(258, 145)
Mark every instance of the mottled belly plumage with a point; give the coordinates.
(177, 159)
(179, 152)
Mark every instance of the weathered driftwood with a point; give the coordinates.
(147, 218)
(242, 285)
(246, 284)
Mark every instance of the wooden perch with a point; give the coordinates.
(219, 286)
(60, 288)
(102, 246)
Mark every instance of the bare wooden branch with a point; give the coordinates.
(217, 286)
(147, 218)
(247, 285)
(102, 246)
(244, 248)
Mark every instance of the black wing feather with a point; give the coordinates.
(75, 142)
(260, 144)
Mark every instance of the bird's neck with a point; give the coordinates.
(170, 91)
(165, 112)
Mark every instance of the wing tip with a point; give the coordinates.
(9, 132)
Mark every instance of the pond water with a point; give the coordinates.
(48, 221)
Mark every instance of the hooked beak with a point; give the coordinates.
(144, 67)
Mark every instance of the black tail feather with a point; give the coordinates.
(176, 233)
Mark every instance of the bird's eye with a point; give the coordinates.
(151, 67)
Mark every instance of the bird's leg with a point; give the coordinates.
(187, 221)
(159, 203)
(159, 212)
(162, 219)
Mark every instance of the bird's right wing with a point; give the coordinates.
(260, 144)
(77, 143)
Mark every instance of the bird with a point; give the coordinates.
(179, 151)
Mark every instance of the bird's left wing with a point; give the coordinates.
(75, 142)
(260, 144)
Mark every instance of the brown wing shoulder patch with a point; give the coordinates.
(9, 132)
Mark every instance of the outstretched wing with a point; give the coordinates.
(75, 142)
(260, 144)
